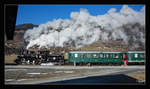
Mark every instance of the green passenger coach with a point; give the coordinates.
(105, 57)
(136, 56)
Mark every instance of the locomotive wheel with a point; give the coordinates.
(36, 62)
(33, 62)
(23, 61)
(18, 61)
(28, 62)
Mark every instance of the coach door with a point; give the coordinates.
(124, 56)
(130, 57)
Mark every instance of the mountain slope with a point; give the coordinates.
(20, 30)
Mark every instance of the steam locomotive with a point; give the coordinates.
(30, 57)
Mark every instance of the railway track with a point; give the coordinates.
(14, 74)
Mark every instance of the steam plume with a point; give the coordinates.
(84, 29)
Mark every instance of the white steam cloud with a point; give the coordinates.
(84, 29)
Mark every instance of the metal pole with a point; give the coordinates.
(74, 63)
(58, 36)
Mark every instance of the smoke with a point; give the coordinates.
(84, 29)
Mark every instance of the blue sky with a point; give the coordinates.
(40, 14)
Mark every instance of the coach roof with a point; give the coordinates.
(92, 52)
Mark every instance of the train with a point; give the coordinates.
(80, 57)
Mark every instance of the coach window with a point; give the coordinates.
(136, 55)
(95, 55)
(76, 55)
(109, 55)
(81, 55)
(124, 55)
(89, 55)
(102, 55)
(130, 55)
(142, 55)
(71, 55)
(116, 56)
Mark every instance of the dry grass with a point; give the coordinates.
(9, 59)
(139, 76)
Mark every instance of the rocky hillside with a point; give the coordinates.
(25, 27)
(20, 30)
(14, 46)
